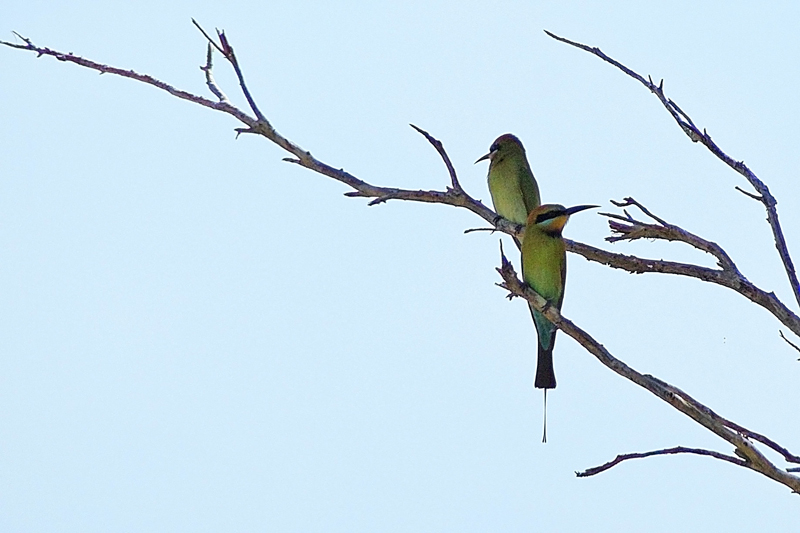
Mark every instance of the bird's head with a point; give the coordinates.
(502, 147)
(551, 218)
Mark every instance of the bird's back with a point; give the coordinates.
(513, 188)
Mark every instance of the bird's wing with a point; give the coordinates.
(529, 190)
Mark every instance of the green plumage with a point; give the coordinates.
(544, 268)
(511, 183)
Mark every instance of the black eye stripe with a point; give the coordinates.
(549, 215)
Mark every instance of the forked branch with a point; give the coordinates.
(454, 195)
(667, 451)
(734, 434)
(687, 125)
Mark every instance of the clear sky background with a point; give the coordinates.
(196, 336)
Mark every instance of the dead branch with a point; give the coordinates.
(686, 124)
(667, 451)
(728, 276)
(732, 433)
(790, 343)
(740, 284)
(454, 196)
(634, 229)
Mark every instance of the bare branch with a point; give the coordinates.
(210, 81)
(630, 201)
(302, 157)
(635, 229)
(451, 197)
(144, 78)
(678, 399)
(667, 451)
(703, 137)
(455, 196)
(793, 345)
(211, 41)
(474, 230)
(755, 197)
(440, 148)
(729, 279)
(226, 50)
(788, 456)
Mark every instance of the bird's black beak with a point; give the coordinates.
(484, 158)
(572, 210)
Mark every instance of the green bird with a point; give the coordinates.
(544, 268)
(511, 183)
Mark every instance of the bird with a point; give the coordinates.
(512, 186)
(544, 269)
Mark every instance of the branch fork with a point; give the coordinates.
(623, 228)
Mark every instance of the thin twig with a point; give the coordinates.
(628, 201)
(667, 451)
(703, 137)
(209, 39)
(446, 158)
(755, 197)
(473, 230)
(144, 78)
(793, 345)
(636, 229)
(788, 456)
(210, 81)
(227, 51)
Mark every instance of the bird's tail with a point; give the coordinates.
(544, 431)
(545, 379)
(545, 375)
(546, 338)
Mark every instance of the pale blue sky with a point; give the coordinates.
(196, 336)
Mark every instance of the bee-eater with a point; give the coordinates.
(544, 268)
(511, 183)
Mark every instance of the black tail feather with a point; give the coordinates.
(545, 374)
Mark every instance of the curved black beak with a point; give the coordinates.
(572, 210)
(485, 157)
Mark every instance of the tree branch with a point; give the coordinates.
(226, 50)
(210, 81)
(678, 399)
(738, 283)
(686, 124)
(456, 196)
(667, 451)
(728, 275)
(635, 229)
(790, 343)
(446, 158)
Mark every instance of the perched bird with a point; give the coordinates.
(544, 268)
(511, 183)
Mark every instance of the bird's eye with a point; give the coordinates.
(493, 148)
